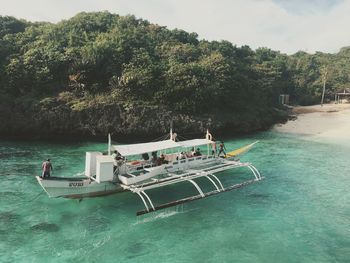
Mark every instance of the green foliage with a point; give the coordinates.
(125, 59)
(11, 25)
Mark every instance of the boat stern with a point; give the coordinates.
(40, 181)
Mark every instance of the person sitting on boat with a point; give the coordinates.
(145, 156)
(189, 154)
(181, 156)
(161, 160)
(154, 159)
(193, 152)
(198, 152)
(47, 168)
(222, 149)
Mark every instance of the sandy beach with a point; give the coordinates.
(330, 123)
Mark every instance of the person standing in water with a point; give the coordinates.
(47, 168)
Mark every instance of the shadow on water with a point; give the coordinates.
(67, 218)
(137, 249)
(258, 196)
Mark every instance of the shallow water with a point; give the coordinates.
(300, 212)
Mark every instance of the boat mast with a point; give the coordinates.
(207, 137)
(109, 144)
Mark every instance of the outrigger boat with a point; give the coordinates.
(105, 175)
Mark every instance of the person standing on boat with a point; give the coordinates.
(117, 160)
(222, 148)
(213, 148)
(47, 168)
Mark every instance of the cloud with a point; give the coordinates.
(310, 6)
(286, 25)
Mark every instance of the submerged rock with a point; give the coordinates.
(137, 249)
(259, 196)
(47, 227)
(8, 217)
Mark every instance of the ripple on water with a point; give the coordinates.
(12, 229)
(9, 194)
(10, 154)
(95, 223)
(298, 213)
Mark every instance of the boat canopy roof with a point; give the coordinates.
(140, 148)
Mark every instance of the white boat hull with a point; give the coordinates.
(81, 187)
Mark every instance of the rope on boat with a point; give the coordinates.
(161, 138)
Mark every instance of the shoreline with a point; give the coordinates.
(327, 123)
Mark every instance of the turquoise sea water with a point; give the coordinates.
(300, 212)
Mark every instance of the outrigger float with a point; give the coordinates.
(105, 175)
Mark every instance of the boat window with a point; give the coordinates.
(183, 161)
(175, 162)
(190, 160)
(198, 158)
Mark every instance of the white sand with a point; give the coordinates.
(330, 123)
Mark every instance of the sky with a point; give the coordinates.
(284, 25)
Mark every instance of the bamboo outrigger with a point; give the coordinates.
(118, 172)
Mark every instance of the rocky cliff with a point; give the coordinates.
(52, 118)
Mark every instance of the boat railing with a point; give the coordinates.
(138, 165)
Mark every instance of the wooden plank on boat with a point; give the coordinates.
(196, 197)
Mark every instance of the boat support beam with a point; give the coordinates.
(149, 199)
(211, 180)
(143, 200)
(142, 194)
(192, 198)
(197, 186)
(217, 179)
(255, 172)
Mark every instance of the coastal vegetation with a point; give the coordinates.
(101, 72)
